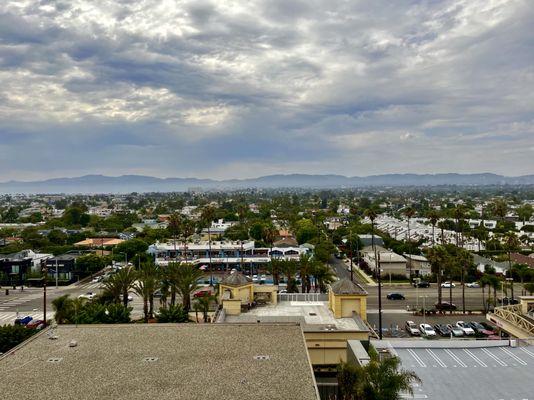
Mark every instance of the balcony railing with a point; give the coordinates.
(513, 315)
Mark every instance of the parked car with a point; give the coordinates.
(507, 301)
(473, 285)
(88, 296)
(422, 284)
(445, 306)
(448, 285)
(411, 329)
(23, 321)
(456, 331)
(464, 326)
(488, 327)
(442, 329)
(202, 293)
(480, 329)
(395, 296)
(36, 324)
(427, 330)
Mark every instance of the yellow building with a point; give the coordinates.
(517, 320)
(237, 292)
(346, 298)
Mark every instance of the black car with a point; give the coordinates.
(507, 301)
(442, 329)
(445, 306)
(422, 284)
(395, 296)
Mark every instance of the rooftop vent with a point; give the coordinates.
(312, 314)
(150, 359)
(54, 359)
(262, 358)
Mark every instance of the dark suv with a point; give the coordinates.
(395, 296)
(445, 306)
(422, 284)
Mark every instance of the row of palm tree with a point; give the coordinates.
(176, 279)
(312, 273)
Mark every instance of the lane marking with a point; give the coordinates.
(417, 358)
(527, 352)
(456, 358)
(474, 357)
(435, 357)
(497, 359)
(520, 361)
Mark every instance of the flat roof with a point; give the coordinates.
(167, 361)
(462, 371)
(313, 315)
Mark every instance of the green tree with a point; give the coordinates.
(186, 280)
(378, 380)
(131, 247)
(121, 283)
(529, 287)
(13, 335)
(323, 276)
(306, 231)
(409, 212)
(146, 285)
(173, 313)
(203, 303)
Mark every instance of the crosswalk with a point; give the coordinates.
(8, 318)
(10, 303)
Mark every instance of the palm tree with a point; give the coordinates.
(174, 227)
(438, 257)
(188, 228)
(305, 269)
(120, 284)
(500, 208)
(63, 309)
(276, 269)
(433, 216)
(459, 215)
(289, 269)
(270, 233)
(409, 212)
(187, 276)
(203, 303)
(378, 380)
(207, 217)
(323, 276)
(145, 286)
(464, 260)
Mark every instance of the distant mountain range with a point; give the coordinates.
(139, 183)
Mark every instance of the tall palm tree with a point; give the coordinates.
(145, 286)
(464, 259)
(289, 269)
(174, 227)
(305, 269)
(433, 216)
(270, 234)
(378, 380)
(409, 212)
(188, 228)
(438, 257)
(187, 276)
(207, 217)
(63, 309)
(459, 215)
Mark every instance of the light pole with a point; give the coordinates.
(350, 252)
(424, 308)
(511, 280)
(56, 274)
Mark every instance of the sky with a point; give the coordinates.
(239, 89)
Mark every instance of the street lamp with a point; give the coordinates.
(424, 308)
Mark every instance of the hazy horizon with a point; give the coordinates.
(237, 90)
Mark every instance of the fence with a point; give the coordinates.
(302, 297)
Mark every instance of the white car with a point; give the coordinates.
(473, 285)
(88, 296)
(456, 331)
(448, 285)
(427, 330)
(467, 330)
(411, 328)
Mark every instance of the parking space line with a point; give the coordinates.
(474, 357)
(520, 361)
(456, 358)
(528, 352)
(435, 357)
(417, 358)
(497, 359)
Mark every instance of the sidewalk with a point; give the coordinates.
(366, 278)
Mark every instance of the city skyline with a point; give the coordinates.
(228, 90)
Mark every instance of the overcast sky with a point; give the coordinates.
(234, 89)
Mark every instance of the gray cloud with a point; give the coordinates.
(236, 89)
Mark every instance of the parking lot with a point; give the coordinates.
(451, 373)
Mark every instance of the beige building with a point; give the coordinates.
(517, 320)
(328, 321)
(161, 361)
(419, 265)
(390, 262)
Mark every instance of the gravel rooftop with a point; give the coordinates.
(167, 361)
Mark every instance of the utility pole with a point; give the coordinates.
(350, 252)
(379, 297)
(56, 274)
(44, 270)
